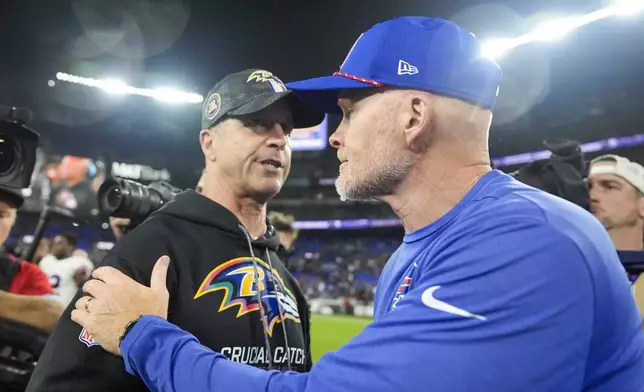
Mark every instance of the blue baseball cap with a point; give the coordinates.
(418, 53)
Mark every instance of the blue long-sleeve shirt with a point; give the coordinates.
(513, 289)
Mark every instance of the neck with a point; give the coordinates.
(250, 213)
(627, 238)
(430, 191)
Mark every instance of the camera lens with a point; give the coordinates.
(113, 197)
(110, 196)
(8, 154)
(128, 199)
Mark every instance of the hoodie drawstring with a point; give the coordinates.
(267, 342)
(281, 311)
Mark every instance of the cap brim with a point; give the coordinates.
(304, 116)
(12, 196)
(322, 93)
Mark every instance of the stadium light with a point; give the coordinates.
(119, 87)
(495, 48)
(558, 28)
(113, 86)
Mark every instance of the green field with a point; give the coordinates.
(328, 333)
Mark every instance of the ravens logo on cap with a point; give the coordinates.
(264, 76)
(212, 106)
(261, 76)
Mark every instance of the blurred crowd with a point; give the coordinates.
(344, 267)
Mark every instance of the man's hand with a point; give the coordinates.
(114, 300)
(119, 225)
(80, 276)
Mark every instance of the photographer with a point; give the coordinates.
(226, 277)
(26, 314)
(22, 284)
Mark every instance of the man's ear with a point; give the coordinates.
(207, 142)
(418, 111)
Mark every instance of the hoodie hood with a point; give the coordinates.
(192, 206)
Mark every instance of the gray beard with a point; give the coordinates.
(378, 183)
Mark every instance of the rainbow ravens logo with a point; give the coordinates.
(236, 278)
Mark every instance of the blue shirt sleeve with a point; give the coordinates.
(504, 309)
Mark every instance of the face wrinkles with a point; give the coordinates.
(370, 148)
(254, 151)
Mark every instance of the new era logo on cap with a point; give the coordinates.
(404, 68)
(418, 53)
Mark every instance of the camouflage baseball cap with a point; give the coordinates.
(250, 91)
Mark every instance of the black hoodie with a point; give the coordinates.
(214, 270)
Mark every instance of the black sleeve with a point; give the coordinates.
(70, 361)
(306, 327)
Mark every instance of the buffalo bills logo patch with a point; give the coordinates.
(402, 291)
(404, 287)
(87, 338)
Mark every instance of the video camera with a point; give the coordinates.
(122, 198)
(20, 345)
(18, 145)
(563, 174)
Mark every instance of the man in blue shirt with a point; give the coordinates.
(496, 287)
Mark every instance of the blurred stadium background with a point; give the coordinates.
(116, 89)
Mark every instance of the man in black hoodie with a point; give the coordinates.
(227, 284)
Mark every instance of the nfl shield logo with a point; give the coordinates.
(86, 338)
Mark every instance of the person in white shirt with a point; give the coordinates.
(66, 270)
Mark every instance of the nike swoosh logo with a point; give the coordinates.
(431, 302)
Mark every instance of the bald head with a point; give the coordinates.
(387, 133)
(456, 116)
